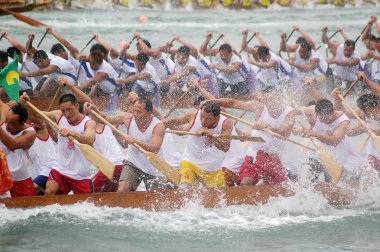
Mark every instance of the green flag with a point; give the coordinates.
(9, 80)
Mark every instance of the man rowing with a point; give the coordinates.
(73, 171)
(16, 137)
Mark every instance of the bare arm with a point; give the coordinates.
(286, 128)
(88, 137)
(145, 49)
(43, 71)
(204, 50)
(310, 66)
(25, 141)
(307, 37)
(336, 137)
(193, 49)
(234, 67)
(14, 43)
(177, 76)
(72, 49)
(254, 106)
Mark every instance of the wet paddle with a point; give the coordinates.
(249, 40)
(80, 65)
(241, 116)
(267, 131)
(123, 57)
(161, 165)
(333, 168)
(92, 155)
(350, 88)
(55, 97)
(25, 19)
(176, 103)
(234, 137)
(42, 39)
(2, 36)
(333, 35)
(216, 41)
(358, 37)
(375, 138)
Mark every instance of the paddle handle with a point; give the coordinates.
(241, 116)
(290, 35)
(123, 57)
(42, 115)
(55, 97)
(2, 36)
(216, 41)
(333, 35)
(352, 111)
(176, 103)
(89, 42)
(43, 37)
(223, 136)
(249, 40)
(267, 131)
(350, 88)
(358, 37)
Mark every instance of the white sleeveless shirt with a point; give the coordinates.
(66, 69)
(346, 73)
(371, 148)
(107, 85)
(43, 156)
(151, 84)
(71, 161)
(345, 152)
(17, 159)
(235, 155)
(200, 151)
(192, 62)
(134, 155)
(231, 78)
(106, 144)
(164, 66)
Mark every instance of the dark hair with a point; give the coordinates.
(377, 39)
(3, 56)
(147, 102)
(146, 42)
(56, 48)
(324, 107)
(40, 54)
(372, 37)
(184, 50)
(262, 51)
(142, 57)
(99, 47)
(21, 111)
(97, 56)
(12, 50)
(211, 107)
(269, 89)
(350, 42)
(306, 46)
(68, 98)
(226, 48)
(301, 40)
(368, 101)
(198, 100)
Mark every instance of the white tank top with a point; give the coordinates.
(315, 72)
(83, 75)
(235, 155)
(41, 160)
(346, 73)
(128, 67)
(371, 149)
(107, 85)
(134, 155)
(71, 161)
(106, 144)
(170, 153)
(376, 67)
(66, 69)
(268, 76)
(191, 62)
(272, 145)
(200, 151)
(345, 152)
(231, 78)
(17, 159)
(164, 66)
(151, 84)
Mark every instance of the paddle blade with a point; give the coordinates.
(333, 168)
(375, 140)
(97, 159)
(25, 19)
(166, 169)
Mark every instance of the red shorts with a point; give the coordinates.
(374, 162)
(266, 166)
(23, 188)
(103, 184)
(66, 184)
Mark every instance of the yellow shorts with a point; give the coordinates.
(190, 173)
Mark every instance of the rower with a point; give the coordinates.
(73, 171)
(203, 156)
(232, 75)
(271, 161)
(16, 137)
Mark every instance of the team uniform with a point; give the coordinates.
(106, 144)
(236, 81)
(73, 171)
(344, 152)
(345, 74)
(122, 66)
(163, 66)
(41, 160)
(108, 85)
(147, 87)
(263, 160)
(137, 167)
(201, 159)
(66, 69)
(18, 167)
(372, 152)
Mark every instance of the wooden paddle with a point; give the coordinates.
(333, 168)
(350, 88)
(176, 103)
(55, 97)
(80, 65)
(267, 131)
(92, 155)
(241, 116)
(375, 138)
(235, 137)
(25, 19)
(42, 39)
(333, 35)
(2, 36)
(216, 41)
(123, 57)
(249, 40)
(357, 38)
(161, 165)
